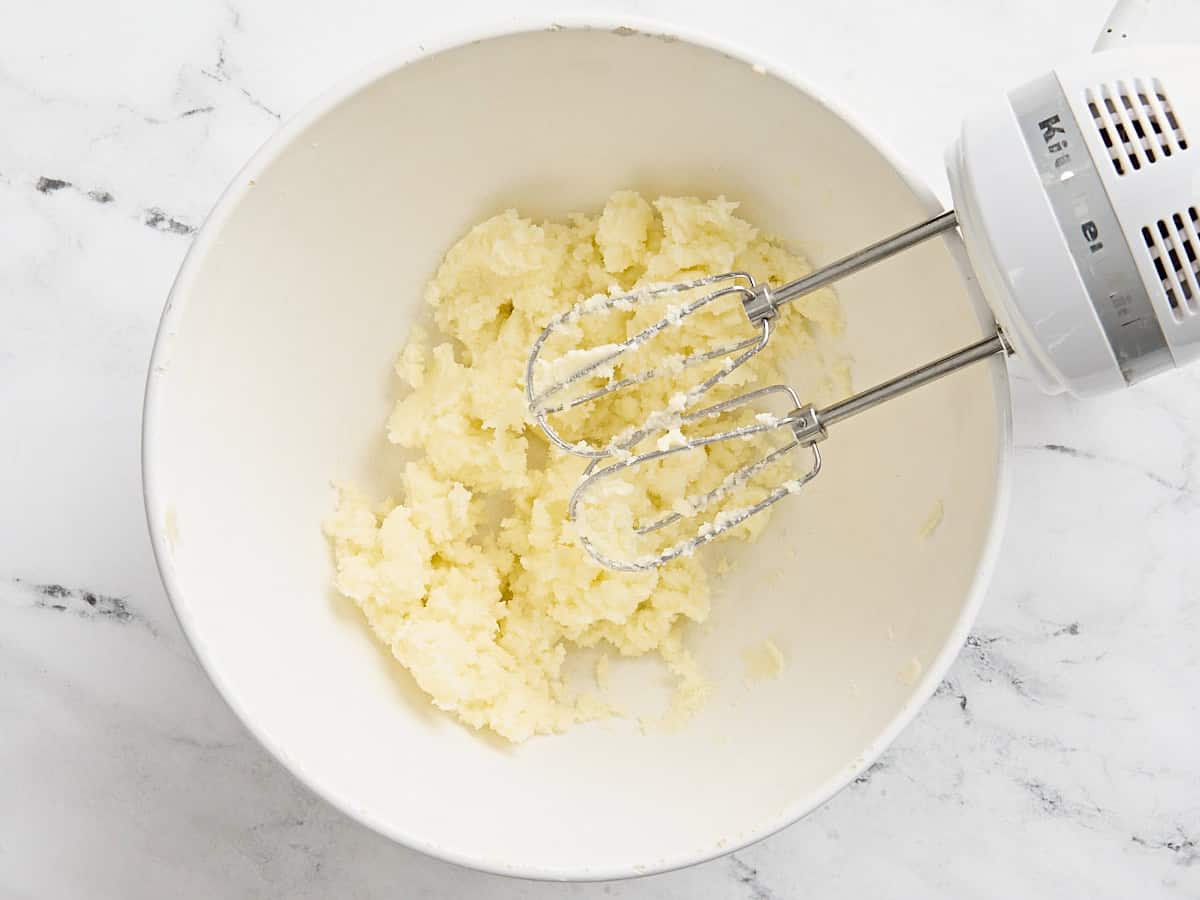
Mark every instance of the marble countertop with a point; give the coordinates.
(1060, 758)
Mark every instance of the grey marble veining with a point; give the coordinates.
(1060, 758)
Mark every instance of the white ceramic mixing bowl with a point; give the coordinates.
(272, 376)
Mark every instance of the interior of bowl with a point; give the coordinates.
(273, 377)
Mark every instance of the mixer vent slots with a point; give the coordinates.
(1136, 122)
(1174, 244)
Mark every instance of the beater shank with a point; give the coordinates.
(766, 301)
(810, 424)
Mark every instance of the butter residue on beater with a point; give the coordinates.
(484, 613)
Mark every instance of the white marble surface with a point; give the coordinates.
(1061, 758)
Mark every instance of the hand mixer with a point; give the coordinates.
(1078, 199)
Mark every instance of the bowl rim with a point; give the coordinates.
(176, 305)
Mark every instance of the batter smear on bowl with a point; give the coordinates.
(472, 575)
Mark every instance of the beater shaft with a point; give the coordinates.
(766, 301)
(809, 423)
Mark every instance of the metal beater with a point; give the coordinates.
(1086, 181)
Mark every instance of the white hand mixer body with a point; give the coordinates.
(1078, 199)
